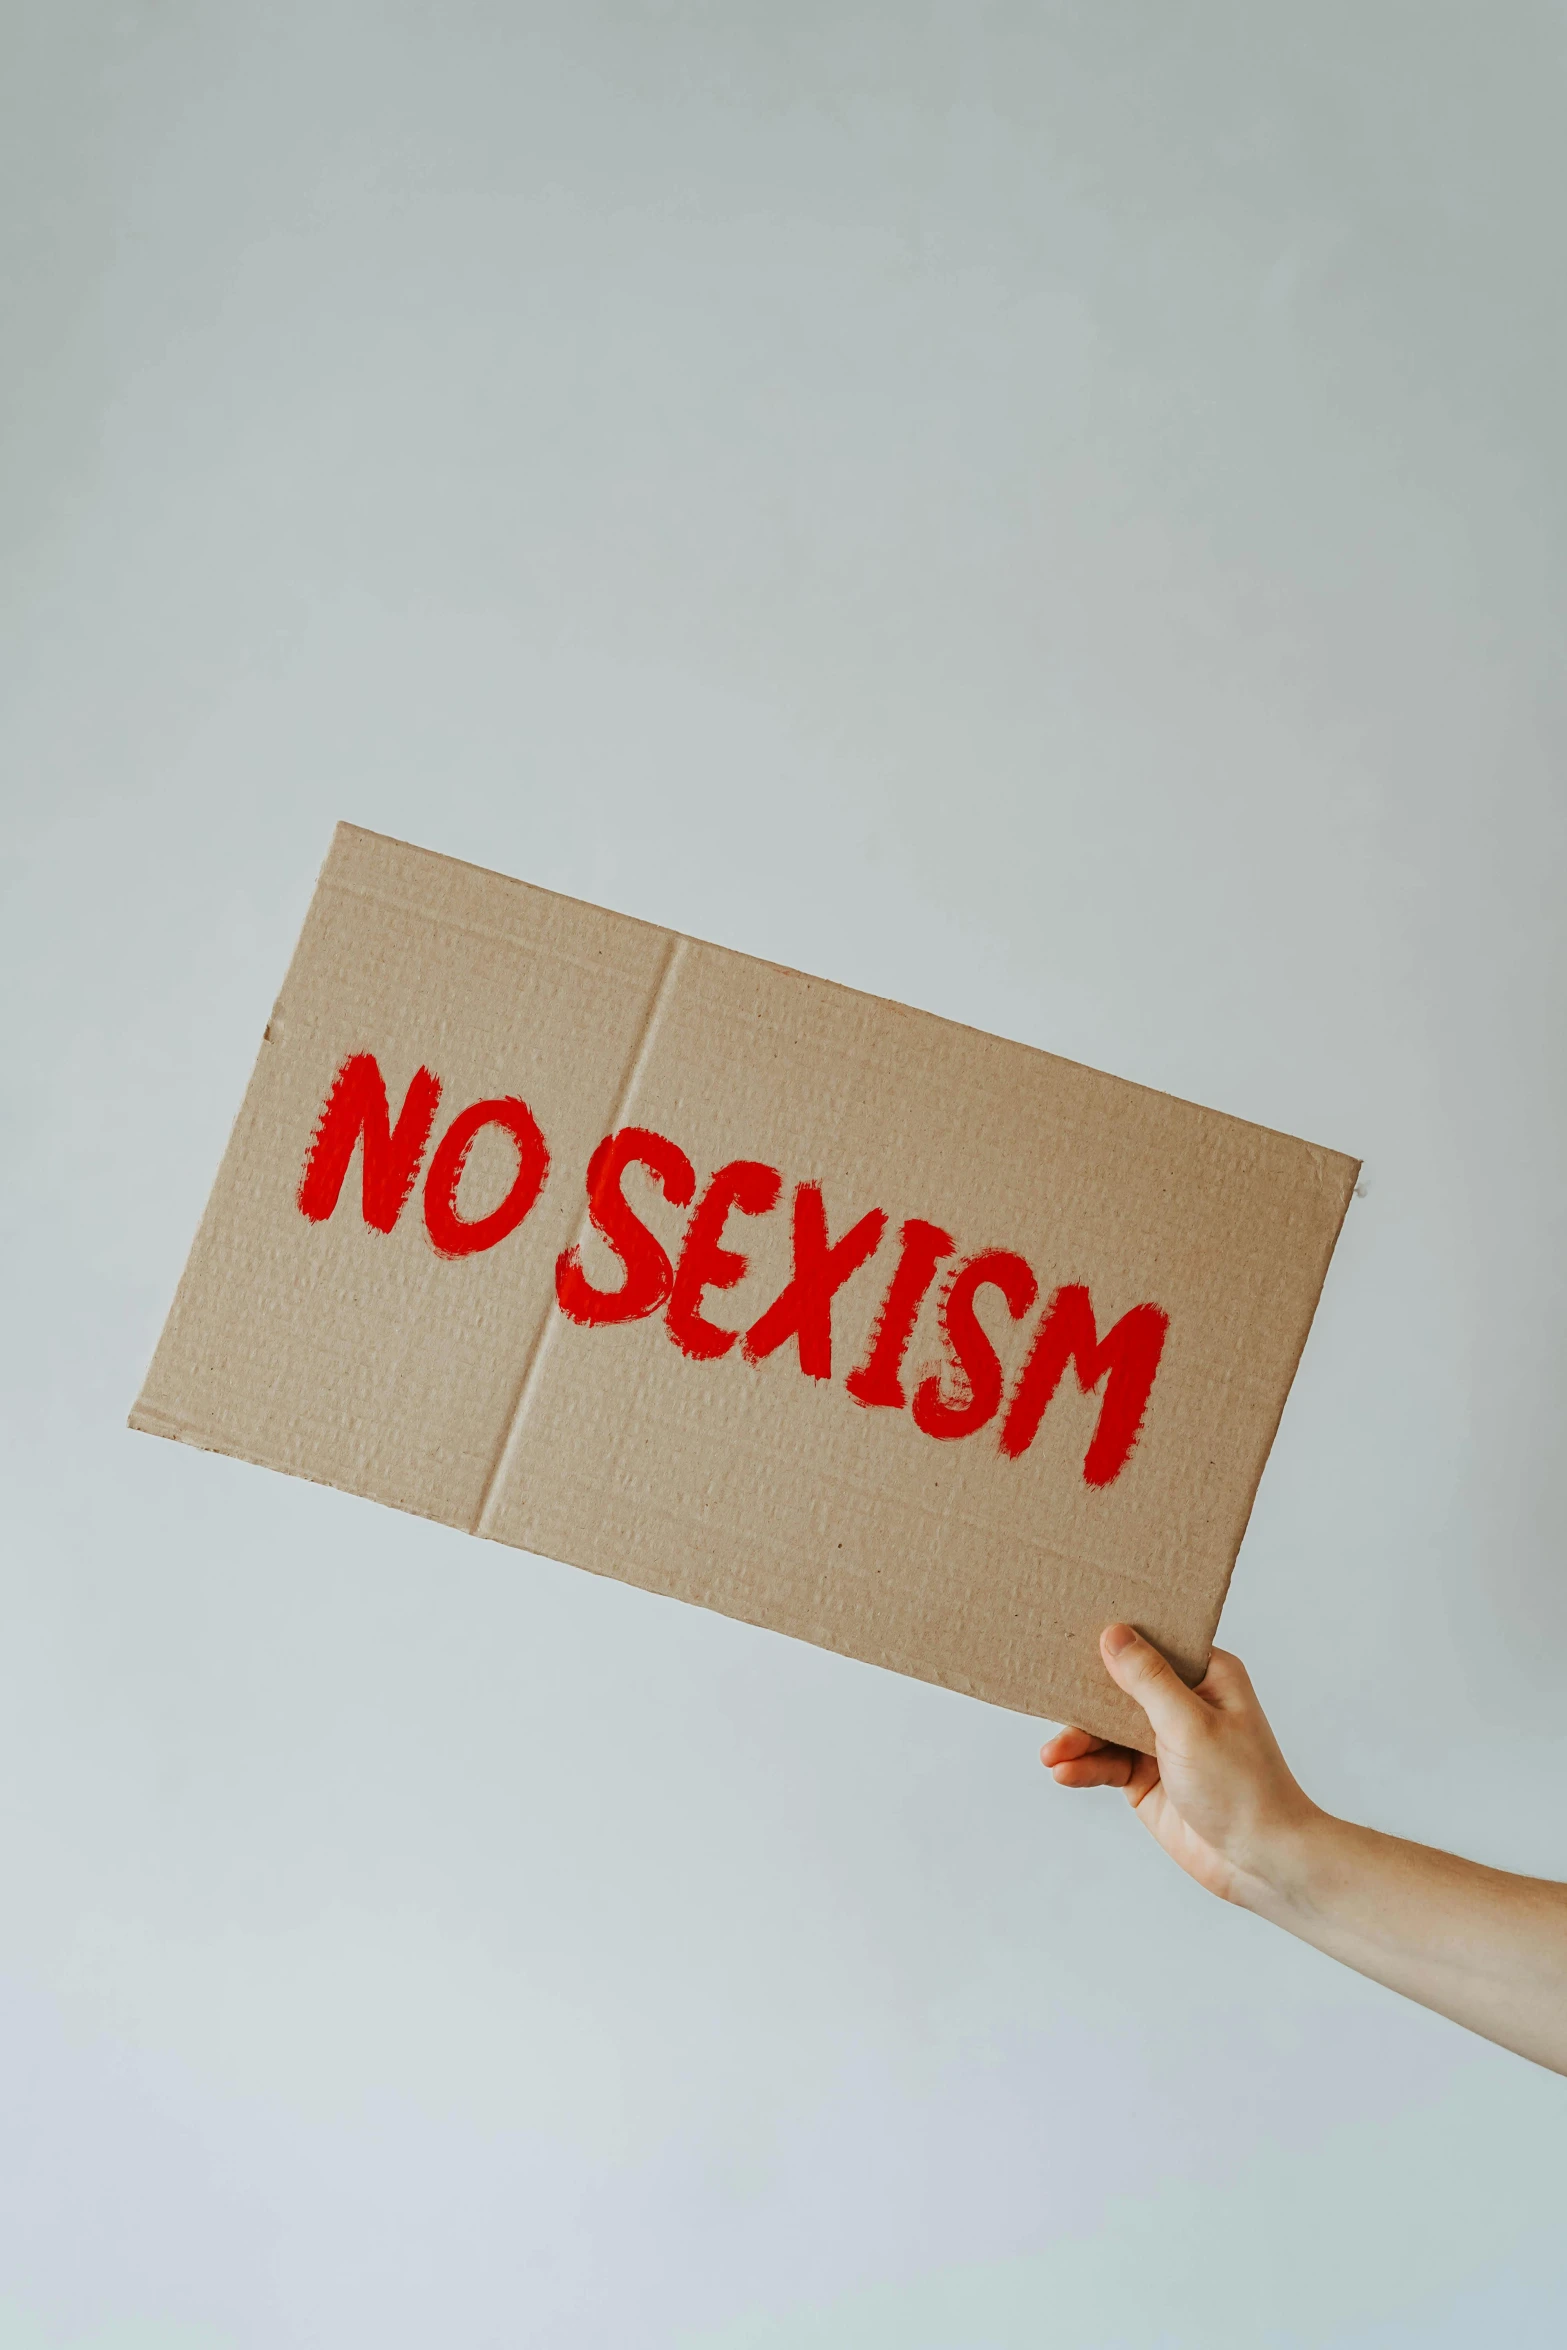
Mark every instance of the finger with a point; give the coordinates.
(1136, 1666)
(1067, 1745)
(1111, 1768)
(1227, 1683)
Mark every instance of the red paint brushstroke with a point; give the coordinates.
(804, 1309)
(978, 1367)
(455, 1235)
(356, 1111)
(750, 1187)
(876, 1381)
(1126, 1358)
(649, 1274)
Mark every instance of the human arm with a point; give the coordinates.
(1485, 1948)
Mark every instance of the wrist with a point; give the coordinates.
(1285, 1867)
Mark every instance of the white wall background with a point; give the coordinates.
(1051, 511)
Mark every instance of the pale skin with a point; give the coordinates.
(1485, 1948)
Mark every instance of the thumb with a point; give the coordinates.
(1136, 1666)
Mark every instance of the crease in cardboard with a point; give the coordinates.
(623, 1485)
(853, 1053)
(440, 920)
(549, 1319)
(496, 938)
(837, 1630)
(943, 1515)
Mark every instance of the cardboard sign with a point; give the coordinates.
(746, 1288)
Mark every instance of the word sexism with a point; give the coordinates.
(966, 1397)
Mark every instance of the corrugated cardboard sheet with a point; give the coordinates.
(908, 1503)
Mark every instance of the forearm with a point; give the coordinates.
(1486, 1949)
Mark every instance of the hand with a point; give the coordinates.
(1217, 1795)
(1487, 1949)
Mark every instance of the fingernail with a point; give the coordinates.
(1115, 1637)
